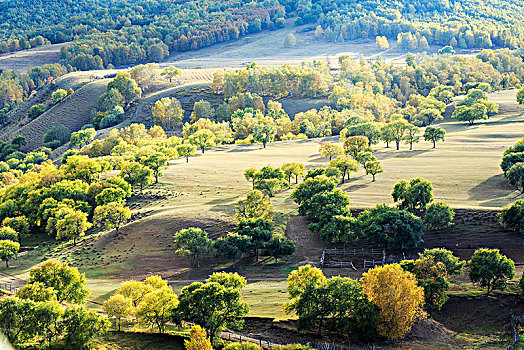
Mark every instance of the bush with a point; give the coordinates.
(58, 96)
(439, 216)
(53, 144)
(59, 132)
(521, 285)
(36, 111)
(293, 347)
(512, 217)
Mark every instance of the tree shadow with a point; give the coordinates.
(486, 190)
(411, 154)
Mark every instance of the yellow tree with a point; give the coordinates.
(119, 307)
(199, 340)
(400, 299)
(300, 279)
(168, 113)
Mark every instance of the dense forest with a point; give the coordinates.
(106, 34)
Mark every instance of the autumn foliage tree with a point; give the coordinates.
(397, 294)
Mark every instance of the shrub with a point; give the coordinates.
(58, 132)
(521, 285)
(58, 96)
(36, 111)
(439, 216)
(512, 217)
(242, 346)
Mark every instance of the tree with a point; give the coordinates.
(355, 145)
(112, 216)
(453, 265)
(8, 233)
(192, 242)
(256, 205)
(515, 176)
(232, 247)
(490, 269)
(8, 250)
(390, 227)
(374, 168)
(36, 291)
(19, 141)
(296, 169)
(202, 109)
(330, 150)
(251, 175)
(186, 150)
(70, 223)
(168, 113)
(170, 72)
(203, 139)
(228, 280)
(520, 96)
(512, 217)
(110, 195)
(82, 137)
(119, 307)
(471, 113)
(198, 339)
(400, 299)
(290, 40)
(134, 291)
(36, 111)
(69, 284)
(371, 130)
(413, 195)
(398, 130)
(136, 174)
(109, 100)
(58, 96)
(81, 326)
(386, 134)
(156, 162)
(278, 247)
(259, 230)
(434, 134)
(127, 87)
(265, 133)
(299, 280)
(438, 216)
(427, 116)
(157, 308)
(345, 164)
(411, 135)
(212, 306)
(340, 228)
(303, 193)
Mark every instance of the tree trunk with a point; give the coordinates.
(203, 149)
(264, 144)
(434, 143)
(373, 177)
(156, 178)
(117, 231)
(398, 145)
(411, 146)
(387, 144)
(7, 263)
(296, 179)
(187, 159)
(74, 240)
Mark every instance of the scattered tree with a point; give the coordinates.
(490, 269)
(192, 242)
(434, 134)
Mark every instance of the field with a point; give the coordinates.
(38, 56)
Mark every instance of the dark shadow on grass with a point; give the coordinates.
(484, 191)
(355, 188)
(411, 154)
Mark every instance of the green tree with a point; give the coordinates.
(136, 174)
(356, 145)
(232, 247)
(202, 109)
(192, 242)
(434, 134)
(427, 117)
(127, 87)
(264, 132)
(118, 307)
(170, 72)
(36, 111)
(259, 230)
(19, 141)
(330, 150)
(512, 217)
(203, 139)
(110, 195)
(69, 284)
(298, 281)
(168, 113)
(453, 264)
(186, 150)
(82, 137)
(36, 291)
(432, 276)
(339, 229)
(345, 164)
(471, 113)
(403, 229)
(515, 176)
(58, 96)
(398, 130)
(71, 223)
(81, 326)
(490, 269)
(251, 175)
(411, 135)
(303, 192)
(157, 308)
(8, 250)
(8, 233)
(438, 216)
(520, 96)
(212, 306)
(112, 216)
(290, 40)
(156, 162)
(278, 247)
(109, 100)
(413, 195)
(256, 205)
(293, 169)
(373, 168)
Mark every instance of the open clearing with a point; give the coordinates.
(35, 57)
